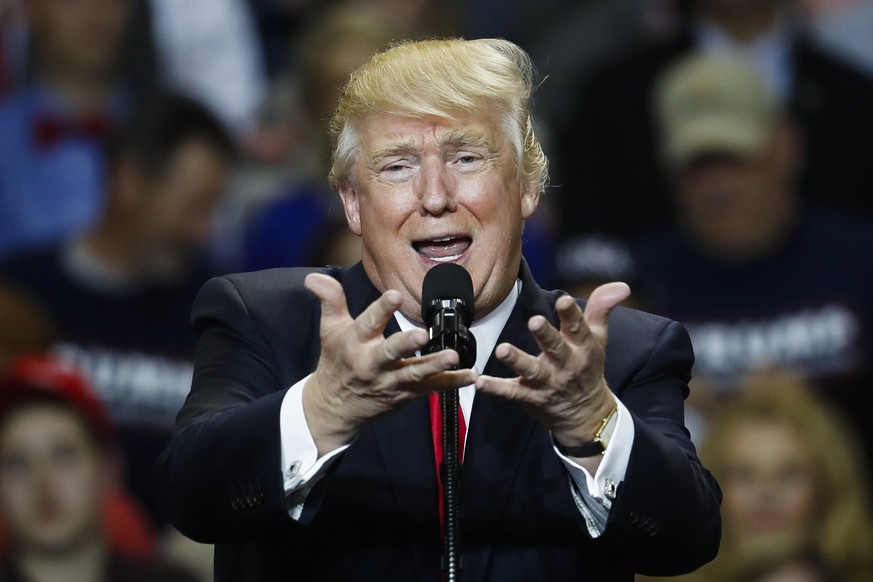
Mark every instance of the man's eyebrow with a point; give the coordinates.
(395, 149)
(469, 138)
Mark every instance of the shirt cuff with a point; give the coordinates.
(602, 487)
(301, 466)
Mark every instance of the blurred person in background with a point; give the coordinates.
(792, 472)
(210, 50)
(760, 278)
(119, 294)
(299, 216)
(608, 174)
(59, 485)
(75, 89)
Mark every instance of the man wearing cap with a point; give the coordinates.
(58, 472)
(760, 279)
(612, 181)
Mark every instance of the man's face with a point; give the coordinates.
(81, 36)
(174, 211)
(52, 478)
(429, 191)
(737, 207)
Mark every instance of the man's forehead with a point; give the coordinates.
(391, 132)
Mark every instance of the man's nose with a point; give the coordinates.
(435, 188)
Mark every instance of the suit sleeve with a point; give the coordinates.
(221, 473)
(666, 516)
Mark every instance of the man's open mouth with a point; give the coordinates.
(443, 249)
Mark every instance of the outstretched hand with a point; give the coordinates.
(564, 387)
(361, 374)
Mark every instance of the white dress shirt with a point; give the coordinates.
(302, 468)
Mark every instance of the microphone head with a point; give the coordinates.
(447, 281)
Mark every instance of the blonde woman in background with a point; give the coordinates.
(791, 469)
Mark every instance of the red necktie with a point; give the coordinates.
(436, 429)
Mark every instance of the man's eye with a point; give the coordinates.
(396, 171)
(466, 162)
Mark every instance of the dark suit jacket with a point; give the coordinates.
(374, 515)
(608, 172)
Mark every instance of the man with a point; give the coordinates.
(761, 279)
(606, 160)
(58, 470)
(54, 121)
(118, 295)
(304, 448)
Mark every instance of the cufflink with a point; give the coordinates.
(610, 488)
(294, 468)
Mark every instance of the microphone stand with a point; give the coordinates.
(449, 403)
(448, 307)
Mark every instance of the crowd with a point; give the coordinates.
(713, 154)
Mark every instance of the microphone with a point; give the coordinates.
(447, 308)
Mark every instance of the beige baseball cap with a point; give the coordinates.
(713, 104)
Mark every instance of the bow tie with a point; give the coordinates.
(48, 130)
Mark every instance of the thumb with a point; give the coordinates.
(600, 304)
(329, 292)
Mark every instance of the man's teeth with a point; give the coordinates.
(445, 259)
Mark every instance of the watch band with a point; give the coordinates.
(593, 447)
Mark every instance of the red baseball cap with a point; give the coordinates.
(42, 377)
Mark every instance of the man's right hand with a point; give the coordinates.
(361, 374)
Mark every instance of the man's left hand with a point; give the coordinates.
(564, 386)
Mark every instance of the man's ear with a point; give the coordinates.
(530, 199)
(351, 206)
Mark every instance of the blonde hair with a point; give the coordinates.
(844, 531)
(440, 78)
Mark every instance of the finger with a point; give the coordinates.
(600, 304)
(442, 381)
(375, 317)
(404, 344)
(423, 377)
(549, 339)
(330, 293)
(572, 319)
(507, 388)
(524, 364)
